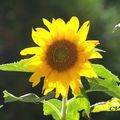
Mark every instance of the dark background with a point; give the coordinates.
(17, 17)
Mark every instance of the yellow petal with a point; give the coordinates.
(49, 84)
(47, 23)
(95, 55)
(41, 36)
(58, 81)
(62, 85)
(53, 20)
(87, 71)
(35, 78)
(90, 44)
(75, 86)
(73, 24)
(71, 36)
(31, 50)
(59, 23)
(47, 90)
(41, 71)
(58, 29)
(83, 32)
(61, 89)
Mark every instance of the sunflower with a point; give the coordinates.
(62, 55)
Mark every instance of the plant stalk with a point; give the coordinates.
(64, 108)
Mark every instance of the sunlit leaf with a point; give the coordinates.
(16, 66)
(73, 109)
(52, 107)
(77, 104)
(110, 105)
(104, 73)
(106, 82)
(84, 105)
(108, 86)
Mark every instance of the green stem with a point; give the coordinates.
(64, 108)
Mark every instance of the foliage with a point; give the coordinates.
(110, 105)
(106, 82)
(16, 66)
(53, 107)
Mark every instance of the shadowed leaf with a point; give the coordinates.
(30, 97)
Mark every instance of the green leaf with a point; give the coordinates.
(30, 97)
(73, 109)
(86, 104)
(77, 104)
(102, 72)
(1, 106)
(116, 28)
(106, 82)
(52, 107)
(21, 66)
(110, 105)
(108, 86)
(9, 97)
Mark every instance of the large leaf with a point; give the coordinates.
(73, 109)
(106, 82)
(21, 66)
(77, 104)
(102, 72)
(111, 105)
(108, 86)
(30, 97)
(52, 107)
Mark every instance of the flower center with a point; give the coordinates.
(61, 55)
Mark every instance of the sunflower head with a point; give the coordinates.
(63, 55)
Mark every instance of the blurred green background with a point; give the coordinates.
(17, 17)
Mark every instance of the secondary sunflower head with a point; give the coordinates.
(62, 56)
